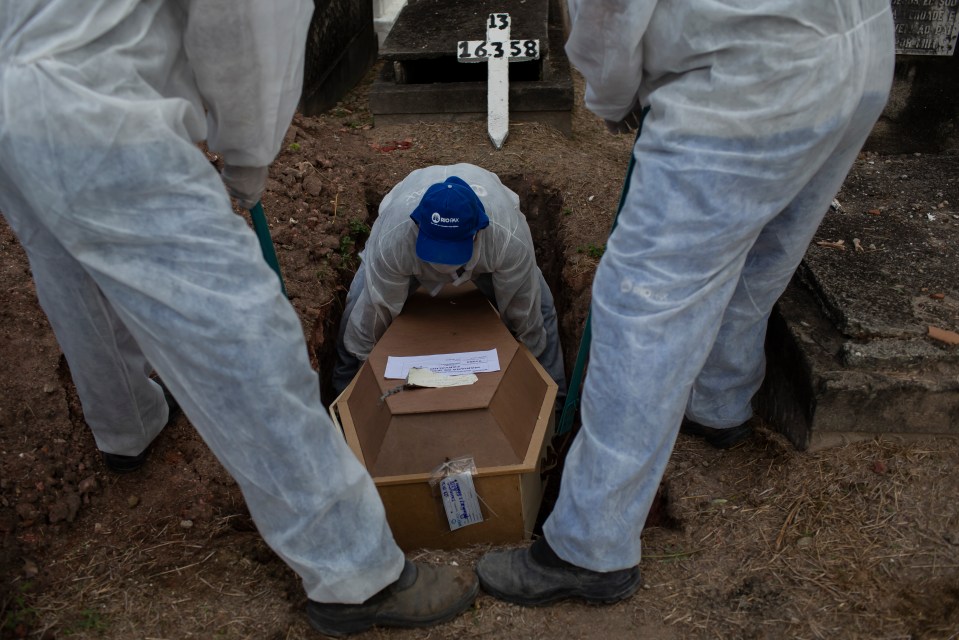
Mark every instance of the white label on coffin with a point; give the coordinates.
(450, 364)
(460, 500)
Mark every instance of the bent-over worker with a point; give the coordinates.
(442, 225)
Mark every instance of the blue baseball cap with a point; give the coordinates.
(449, 215)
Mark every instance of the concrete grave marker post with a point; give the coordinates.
(498, 50)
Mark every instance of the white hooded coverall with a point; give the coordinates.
(140, 263)
(503, 267)
(757, 111)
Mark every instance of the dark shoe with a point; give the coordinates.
(422, 596)
(719, 438)
(127, 464)
(124, 464)
(536, 575)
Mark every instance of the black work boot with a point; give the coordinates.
(536, 575)
(127, 464)
(719, 438)
(423, 595)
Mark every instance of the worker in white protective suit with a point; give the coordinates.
(141, 265)
(756, 113)
(443, 225)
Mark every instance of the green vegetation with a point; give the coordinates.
(346, 245)
(358, 231)
(89, 621)
(593, 251)
(18, 616)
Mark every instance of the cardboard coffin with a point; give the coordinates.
(503, 421)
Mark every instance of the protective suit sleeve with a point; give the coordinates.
(516, 284)
(247, 58)
(386, 288)
(246, 184)
(605, 45)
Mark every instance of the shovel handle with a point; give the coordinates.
(262, 230)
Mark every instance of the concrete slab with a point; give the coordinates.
(849, 346)
(431, 28)
(421, 79)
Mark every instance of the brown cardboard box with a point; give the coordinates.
(503, 421)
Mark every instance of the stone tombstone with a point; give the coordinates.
(926, 27)
(341, 46)
(922, 113)
(421, 78)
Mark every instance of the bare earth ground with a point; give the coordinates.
(762, 541)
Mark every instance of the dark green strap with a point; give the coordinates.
(576, 379)
(262, 230)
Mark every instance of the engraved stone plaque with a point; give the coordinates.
(926, 27)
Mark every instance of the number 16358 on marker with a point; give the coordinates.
(480, 50)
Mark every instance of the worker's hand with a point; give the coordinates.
(246, 184)
(632, 121)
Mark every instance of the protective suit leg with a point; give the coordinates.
(153, 229)
(695, 211)
(722, 393)
(347, 364)
(552, 357)
(124, 409)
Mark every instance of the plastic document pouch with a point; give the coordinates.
(454, 481)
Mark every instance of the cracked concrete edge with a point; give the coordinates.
(812, 396)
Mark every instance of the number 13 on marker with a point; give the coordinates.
(480, 50)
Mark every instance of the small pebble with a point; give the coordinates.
(88, 485)
(30, 568)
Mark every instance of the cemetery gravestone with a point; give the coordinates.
(498, 50)
(422, 80)
(922, 114)
(926, 27)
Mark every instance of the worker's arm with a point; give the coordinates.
(247, 58)
(386, 287)
(516, 285)
(605, 45)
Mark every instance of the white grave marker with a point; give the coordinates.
(497, 51)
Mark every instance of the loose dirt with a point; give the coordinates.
(758, 542)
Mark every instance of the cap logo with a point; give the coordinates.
(436, 218)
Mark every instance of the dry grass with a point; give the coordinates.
(841, 543)
(853, 542)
